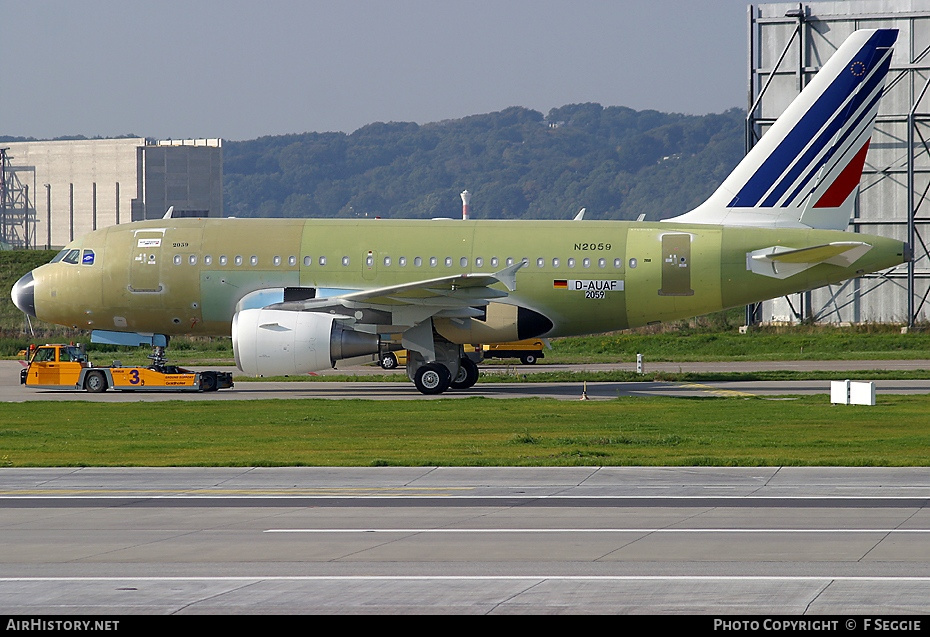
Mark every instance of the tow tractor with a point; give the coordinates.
(67, 367)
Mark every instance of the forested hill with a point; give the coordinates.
(615, 162)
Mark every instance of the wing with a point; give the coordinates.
(408, 304)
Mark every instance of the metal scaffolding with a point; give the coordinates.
(17, 215)
(787, 45)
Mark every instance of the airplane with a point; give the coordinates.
(297, 295)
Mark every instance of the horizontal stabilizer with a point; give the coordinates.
(780, 262)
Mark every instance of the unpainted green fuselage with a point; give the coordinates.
(186, 276)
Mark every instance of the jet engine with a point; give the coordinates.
(281, 342)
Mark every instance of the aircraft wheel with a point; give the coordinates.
(432, 378)
(388, 361)
(467, 376)
(95, 382)
(528, 359)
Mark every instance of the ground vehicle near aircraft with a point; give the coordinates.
(59, 366)
(297, 295)
(390, 360)
(528, 351)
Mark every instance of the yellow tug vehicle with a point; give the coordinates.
(60, 366)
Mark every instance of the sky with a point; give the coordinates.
(244, 69)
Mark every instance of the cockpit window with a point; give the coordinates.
(72, 257)
(88, 258)
(60, 256)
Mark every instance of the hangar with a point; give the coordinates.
(788, 43)
(54, 191)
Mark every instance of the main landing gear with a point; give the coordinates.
(435, 378)
(451, 369)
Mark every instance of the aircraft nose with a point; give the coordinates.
(24, 296)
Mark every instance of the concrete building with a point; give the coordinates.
(788, 43)
(54, 191)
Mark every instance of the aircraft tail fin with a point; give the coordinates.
(805, 171)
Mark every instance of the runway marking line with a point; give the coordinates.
(479, 578)
(256, 493)
(709, 389)
(399, 494)
(632, 530)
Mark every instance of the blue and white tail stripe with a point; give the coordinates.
(813, 148)
(861, 80)
(862, 131)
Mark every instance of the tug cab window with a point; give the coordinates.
(74, 355)
(44, 355)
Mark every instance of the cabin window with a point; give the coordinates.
(479, 262)
(494, 262)
(417, 261)
(632, 263)
(448, 262)
(292, 260)
(571, 262)
(402, 261)
(322, 260)
(602, 263)
(509, 260)
(345, 261)
(177, 259)
(369, 260)
(555, 262)
(463, 262)
(586, 262)
(433, 262)
(540, 262)
(192, 259)
(238, 259)
(223, 259)
(253, 260)
(387, 261)
(207, 260)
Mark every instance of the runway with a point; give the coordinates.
(709, 541)
(12, 391)
(705, 541)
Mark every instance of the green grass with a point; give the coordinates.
(469, 432)
(822, 342)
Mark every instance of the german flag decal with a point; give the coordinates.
(560, 284)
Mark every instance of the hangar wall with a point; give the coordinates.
(788, 43)
(56, 191)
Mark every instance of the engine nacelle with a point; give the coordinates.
(281, 343)
(501, 323)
